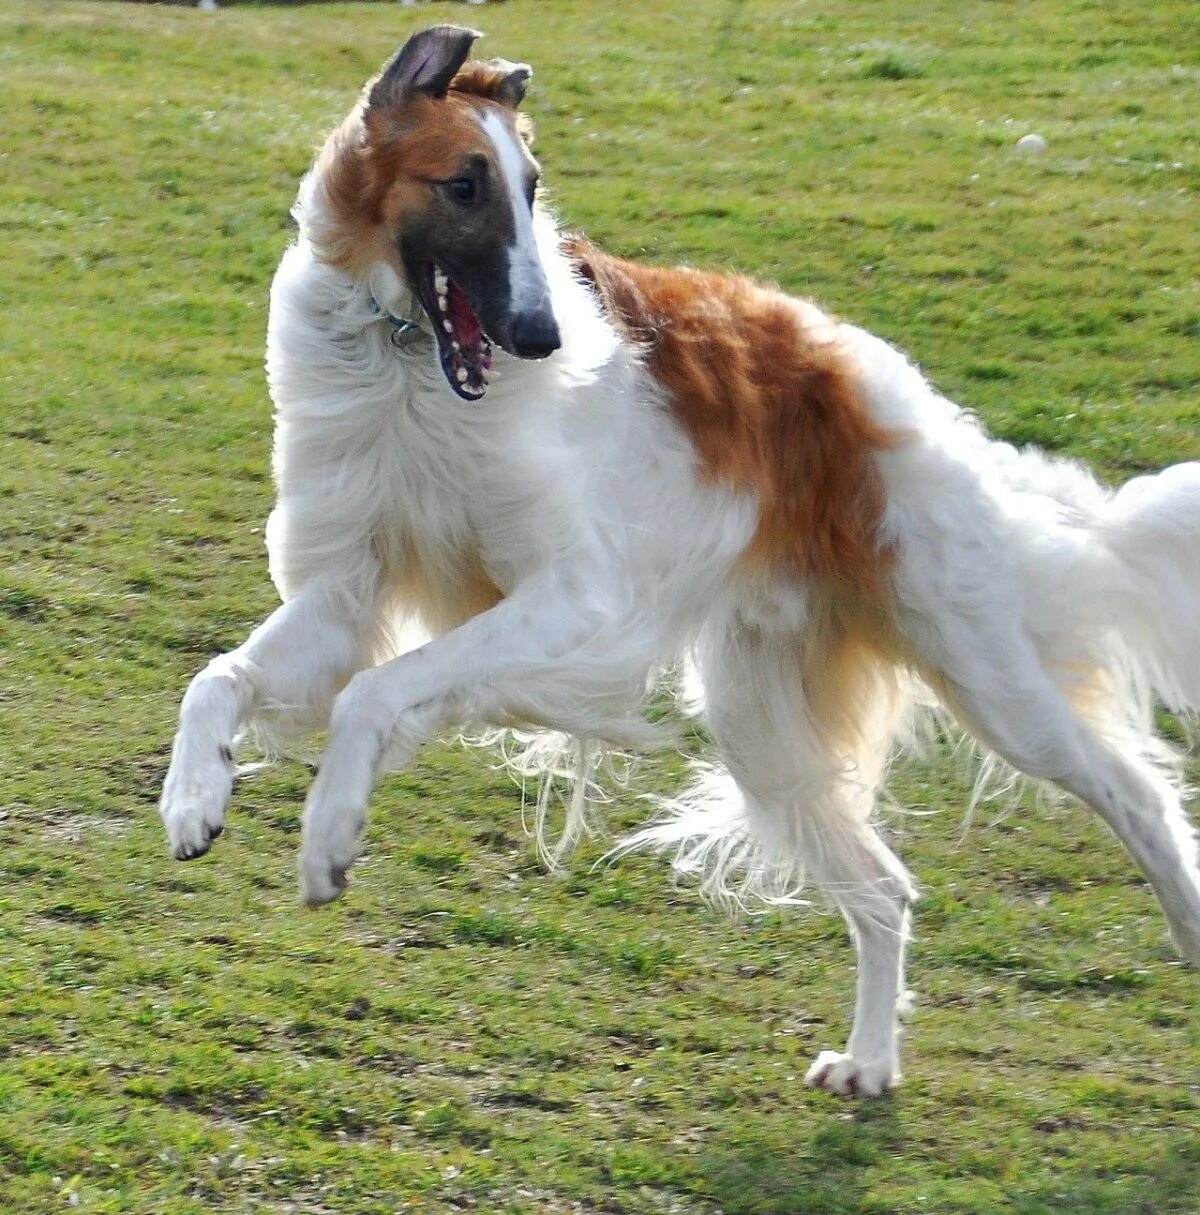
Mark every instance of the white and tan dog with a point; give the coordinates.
(653, 469)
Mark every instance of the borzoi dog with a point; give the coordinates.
(574, 474)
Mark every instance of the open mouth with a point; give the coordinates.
(463, 347)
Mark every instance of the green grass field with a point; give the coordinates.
(463, 1031)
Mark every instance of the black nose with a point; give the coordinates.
(535, 334)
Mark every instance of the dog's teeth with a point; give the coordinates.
(461, 373)
(455, 346)
(449, 328)
(439, 282)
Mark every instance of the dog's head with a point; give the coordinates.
(433, 173)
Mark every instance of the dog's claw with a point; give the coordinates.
(194, 846)
(193, 803)
(321, 884)
(846, 1076)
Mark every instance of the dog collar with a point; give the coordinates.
(405, 331)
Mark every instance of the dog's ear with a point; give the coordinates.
(424, 65)
(513, 83)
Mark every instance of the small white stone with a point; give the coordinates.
(1032, 143)
(461, 373)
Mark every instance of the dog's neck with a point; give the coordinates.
(393, 300)
(407, 328)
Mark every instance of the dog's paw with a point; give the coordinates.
(321, 880)
(849, 1077)
(1186, 938)
(193, 801)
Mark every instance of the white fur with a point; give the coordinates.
(571, 489)
(526, 278)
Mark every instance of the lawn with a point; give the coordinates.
(465, 1031)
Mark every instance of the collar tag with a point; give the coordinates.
(406, 332)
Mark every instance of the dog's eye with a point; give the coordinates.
(462, 190)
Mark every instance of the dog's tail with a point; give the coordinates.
(1151, 526)
(1112, 594)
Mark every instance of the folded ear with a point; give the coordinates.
(513, 83)
(425, 64)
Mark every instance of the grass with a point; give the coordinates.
(463, 1031)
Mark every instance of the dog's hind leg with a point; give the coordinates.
(805, 724)
(993, 679)
(1146, 814)
(294, 662)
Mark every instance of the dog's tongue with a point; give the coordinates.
(467, 354)
(467, 330)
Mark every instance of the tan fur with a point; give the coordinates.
(377, 166)
(767, 396)
(851, 661)
(479, 79)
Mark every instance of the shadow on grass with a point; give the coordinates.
(830, 1172)
(1166, 1182)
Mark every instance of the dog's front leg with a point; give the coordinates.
(544, 654)
(296, 660)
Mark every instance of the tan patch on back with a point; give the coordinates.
(770, 403)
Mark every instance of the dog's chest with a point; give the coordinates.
(457, 500)
(456, 508)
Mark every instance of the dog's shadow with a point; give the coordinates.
(825, 1169)
(828, 1170)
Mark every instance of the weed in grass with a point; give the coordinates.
(893, 67)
